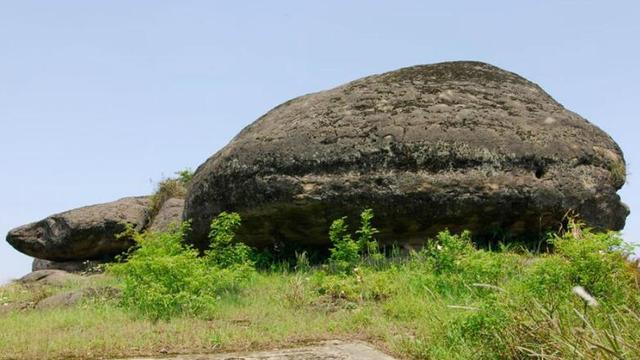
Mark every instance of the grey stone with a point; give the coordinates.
(49, 277)
(75, 297)
(458, 145)
(170, 214)
(334, 350)
(84, 233)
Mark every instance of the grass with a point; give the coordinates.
(412, 318)
(448, 301)
(242, 323)
(170, 188)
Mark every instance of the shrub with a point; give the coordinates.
(367, 245)
(185, 176)
(224, 251)
(347, 252)
(163, 277)
(488, 267)
(296, 294)
(547, 281)
(344, 253)
(446, 250)
(484, 328)
(167, 189)
(595, 261)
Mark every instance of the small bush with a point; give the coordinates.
(488, 267)
(596, 261)
(548, 282)
(167, 189)
(185, 176)
(336, 287)
(163, 277)
(344, 253)
(446, 251)
(484, 328)
(367, 245)
(347, 252)
(224, 251)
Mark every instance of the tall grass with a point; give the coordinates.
(166, 189)
(450, 300)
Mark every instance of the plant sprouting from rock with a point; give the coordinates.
(184, 176)
(170, 188)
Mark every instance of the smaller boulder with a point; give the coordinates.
(170, 213)
(74, 297)
(49, 277)
(85, 233)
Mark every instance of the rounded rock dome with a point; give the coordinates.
(457, 145)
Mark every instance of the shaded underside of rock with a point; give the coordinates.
(69, 266)
(458, 145)
(86, 233)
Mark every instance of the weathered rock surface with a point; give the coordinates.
(458, 145)
(49, 277)
(328, 350)
(170, 214)
(69, 266)
(75, 297)
(82, 234)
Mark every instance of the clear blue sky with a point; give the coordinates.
(100, 99)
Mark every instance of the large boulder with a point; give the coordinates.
(458, 145)
(86, 233)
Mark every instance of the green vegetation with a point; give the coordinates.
(347, 253)
(618, 172)
(163, 277)
(170, 188)
(449, 300)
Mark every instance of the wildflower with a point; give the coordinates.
(584, 295)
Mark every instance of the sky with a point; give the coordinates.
(101, 99)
